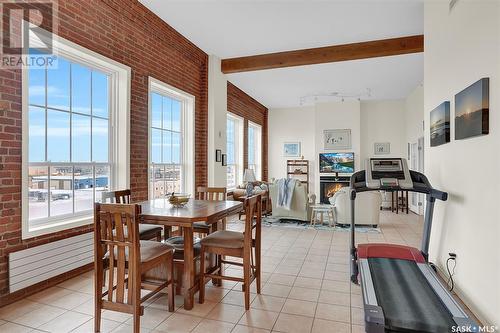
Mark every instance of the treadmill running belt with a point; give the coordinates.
(408, 301)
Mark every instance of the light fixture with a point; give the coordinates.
(312, 99)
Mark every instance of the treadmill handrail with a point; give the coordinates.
(420, 184)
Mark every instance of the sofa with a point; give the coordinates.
(259, 187)
(301, 202)
(241, 190)
(367, 207)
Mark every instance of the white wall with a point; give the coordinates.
(217, 111)
(331, 116)
(462, 47)
(381, 122)
(290, 125)
(370, 122)
(306, 125)
(414, 115)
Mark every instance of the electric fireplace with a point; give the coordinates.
(330, 185)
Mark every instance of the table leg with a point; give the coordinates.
(189, 268)
(313, 215)
(321, 217)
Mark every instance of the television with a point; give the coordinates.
(336, 163)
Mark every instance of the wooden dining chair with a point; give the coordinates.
(201, 228)
(146, 231)
(133, 264)
(210, 194)
(236, 244)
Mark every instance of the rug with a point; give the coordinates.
(294, 224)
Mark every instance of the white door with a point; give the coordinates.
(417, 164)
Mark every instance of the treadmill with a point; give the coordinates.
(401, 291)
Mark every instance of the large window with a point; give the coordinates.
(234, 148)
(68, 138)
(171, 140)
(255, 149)
(69, 150)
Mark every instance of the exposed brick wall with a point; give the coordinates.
(126, 31)
(239, 103)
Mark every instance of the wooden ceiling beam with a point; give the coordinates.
(320, 55)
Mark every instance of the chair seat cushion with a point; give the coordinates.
(177, 242)
(144, 228)
(224, 239)
(201, 225)
(152, 249)
(149, 250)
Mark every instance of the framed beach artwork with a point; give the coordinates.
(291, 149)
(336, 139)
(440, 124)
(472, 107)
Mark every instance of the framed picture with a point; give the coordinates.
(218, 155)
(224, 160)
(336, 139)
(382, 148)
(440, 124)
(472, 107)
(291, 149)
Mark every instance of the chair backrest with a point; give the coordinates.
(253, 208)
(116, 240)
(120, 197)
(211, 193)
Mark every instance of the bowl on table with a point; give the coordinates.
(178, 199)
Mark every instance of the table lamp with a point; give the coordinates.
(249, 178)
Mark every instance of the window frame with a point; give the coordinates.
(119, 131)
(187, 137)
(239, 148)
(257, 148)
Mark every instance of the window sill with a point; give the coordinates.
(57, 225)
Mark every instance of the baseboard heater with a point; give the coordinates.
(39, 263)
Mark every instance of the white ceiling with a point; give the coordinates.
(232, 28)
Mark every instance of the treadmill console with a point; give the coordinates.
(388, 173)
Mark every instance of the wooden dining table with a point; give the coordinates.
(161, 212)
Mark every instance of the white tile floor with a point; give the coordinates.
(306, 288)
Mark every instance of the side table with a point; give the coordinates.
(320, 210)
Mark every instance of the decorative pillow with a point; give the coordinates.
(257, 190)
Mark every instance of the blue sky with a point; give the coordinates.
(165, 134)
(89, 93)
(84, 92)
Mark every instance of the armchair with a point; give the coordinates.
(301, 202)
(367, 207)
